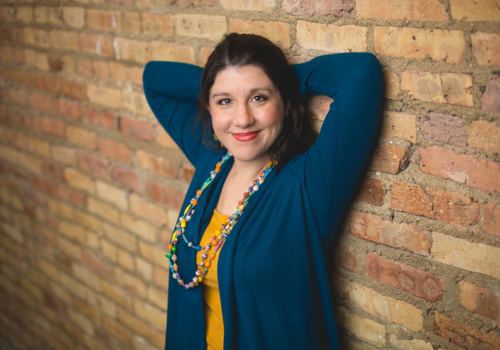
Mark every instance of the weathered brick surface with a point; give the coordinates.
(200, 26)
(414, 344)
(135, 128)
(402, 125)
(440, 45)
(491, 219)
(453, 208)
(371, 191)
(443, 128)
(413, 10)
(404, 277)
(337, 8)
(345, 258)
(390, 159)
(484, 135)
(464, 335)
(486, 48)
(363, 328)
(490, 101)
(477, 173)
(480, 10)
(387, 308)
(252, 5)
(329, 38)
(172, 52)
(104, 96)
(373, 228)
(449, 88)
(154, 24)
(460, 253)
(319, 106)
(278, 32)
(480, 300)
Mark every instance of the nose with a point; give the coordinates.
(243, 116)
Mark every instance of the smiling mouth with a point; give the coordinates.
(247, 136)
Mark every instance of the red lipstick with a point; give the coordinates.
(247, 136)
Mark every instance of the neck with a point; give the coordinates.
(246, 172)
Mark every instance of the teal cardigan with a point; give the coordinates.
(273, 268)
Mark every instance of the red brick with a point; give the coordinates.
(119, 71)
(17, 96)
(74, 89)
(453, 208)
(371, 191)
(486, 48)
(7, 14)
(40, 102)
(46, 82)
(81, 137)
(127, 179)
(64, 40)
(55, 63)
(53, 127)
(104, 119)
(136, 128)
(277, 32)
(404, 277)
(490, 101)
(93, 165)
(464, 335)
(84, 67)
(53, 171)
(444, 128)
(491, 219)
(67, 108)
(104, 20)
(115, 150)
(479, 10)
(345, 257)
(413, 10)
(164, 194)
(154, 24)
(131, 22)
(135, 75)
(390, 159)
(337, 8)
(461, 168)
(18, 77)
(480, 300)
(96, 44)
(12, 35)
(186, 172)
(97, 264)
(451, 88)
(484, 135)
(438, 44)
(101, 69)
(75, 197)
(158, 165)
(373, 228)
(45, 186)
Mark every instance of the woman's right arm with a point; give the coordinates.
(172, 89)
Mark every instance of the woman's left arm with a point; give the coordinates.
(332, 169)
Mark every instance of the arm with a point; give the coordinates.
(332, 169)
(172, 89)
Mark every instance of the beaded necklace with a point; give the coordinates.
(220, 235)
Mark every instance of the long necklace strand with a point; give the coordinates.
(220, 235)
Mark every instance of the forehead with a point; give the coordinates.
(241, 78)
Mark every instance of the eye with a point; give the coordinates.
(259, 99)
(224, 101)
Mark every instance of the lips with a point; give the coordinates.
(247, 136)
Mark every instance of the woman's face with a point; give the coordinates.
(247, 112)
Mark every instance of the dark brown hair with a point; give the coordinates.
(238, 50)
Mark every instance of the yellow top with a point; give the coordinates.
(210, 288)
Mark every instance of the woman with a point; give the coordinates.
(263, 281)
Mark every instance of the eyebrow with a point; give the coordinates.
(251, 92)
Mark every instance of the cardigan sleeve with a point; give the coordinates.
(172, 89)
(332, 169)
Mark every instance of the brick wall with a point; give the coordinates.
(90, 185)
